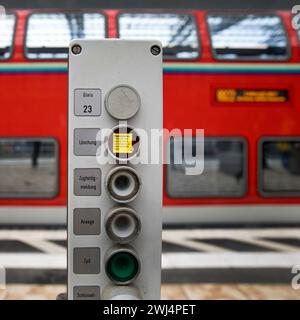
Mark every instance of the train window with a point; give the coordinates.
(177, 32)
(280, 167)
(248, 37)
(7, 27)
(28, 168)
(48, 35)
(225, 169)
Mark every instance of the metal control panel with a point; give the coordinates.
(114, 207)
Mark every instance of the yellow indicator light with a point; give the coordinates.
(122, 143)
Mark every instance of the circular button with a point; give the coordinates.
(123, 143)
(122, 224)
(122, 102)
(122, 267)
(123, 184)
(117, 292)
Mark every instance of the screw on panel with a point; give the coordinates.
(76, 49)
(155, 50)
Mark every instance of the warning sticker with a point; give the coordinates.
(122, 143)
(240, 95)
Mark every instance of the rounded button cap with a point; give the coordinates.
(122, 102)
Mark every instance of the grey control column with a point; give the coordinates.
(114, 208)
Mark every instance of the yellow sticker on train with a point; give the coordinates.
(122, 143)
(256, 95)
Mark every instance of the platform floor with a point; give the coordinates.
(172, 292)
(214, 263)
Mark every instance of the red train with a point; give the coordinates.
(234, 74)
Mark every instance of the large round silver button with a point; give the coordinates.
(122, 102)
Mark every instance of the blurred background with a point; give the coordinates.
(231, 68)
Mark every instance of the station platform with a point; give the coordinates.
(203, 263)
(173, 292)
